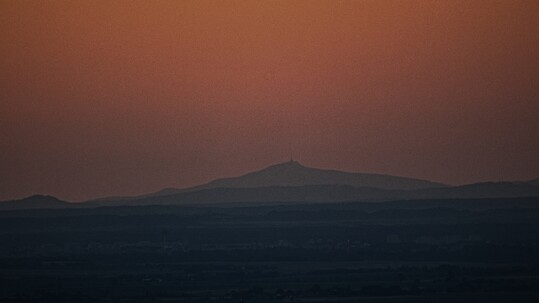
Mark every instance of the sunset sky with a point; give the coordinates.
(103, 98)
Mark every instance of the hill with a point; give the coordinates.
(330, 193)
(291, 182)
(294, 174)
(35, 202)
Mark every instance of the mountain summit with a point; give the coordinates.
(292, 182)
(293, 173)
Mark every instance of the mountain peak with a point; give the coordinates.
(293, 173)
(288, 164)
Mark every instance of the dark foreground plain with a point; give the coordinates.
(484, 250)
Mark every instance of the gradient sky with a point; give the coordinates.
(103, 98)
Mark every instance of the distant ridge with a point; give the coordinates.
(294, 194)
(35, 202)
(292, 173)
(333, 193)
(291, 182)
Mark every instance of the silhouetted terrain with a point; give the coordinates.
(35, 202)
(293, 174)
(294, 183)
(289, 194)
(274, 236)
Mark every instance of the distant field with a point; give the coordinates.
(386, 252)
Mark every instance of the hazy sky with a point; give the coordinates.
(106, 98)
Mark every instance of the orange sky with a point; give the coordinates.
(106, 98)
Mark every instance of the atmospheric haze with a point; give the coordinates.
(102, 98)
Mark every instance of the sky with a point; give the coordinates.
(106, 98)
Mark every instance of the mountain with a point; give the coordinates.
(292, 173)
(35, 202)
(332, 193)
(292, 182)
(220, 195)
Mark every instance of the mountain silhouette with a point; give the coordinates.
(292, 173)
(35, 202)
(292, 182)
(332, 193)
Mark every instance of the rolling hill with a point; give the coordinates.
(291, 182)
(294, 174)
(35, 202)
